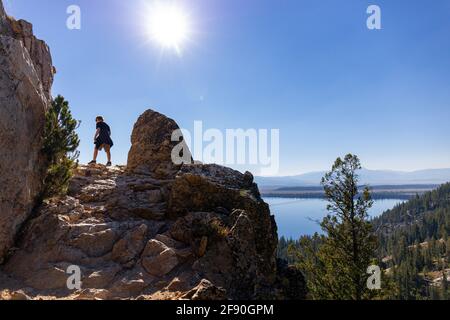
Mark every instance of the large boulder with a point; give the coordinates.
(152, 146)
(26, 76)
(215, 210)
(245, 232)
(158, 259)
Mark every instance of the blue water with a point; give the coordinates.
(296, 217)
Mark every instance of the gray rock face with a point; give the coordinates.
(26, 76)
(152, 145)
(158, 259)
(3, 22)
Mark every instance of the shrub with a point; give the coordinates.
(213, 229)
(60, 148)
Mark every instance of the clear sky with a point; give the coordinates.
(310, 68)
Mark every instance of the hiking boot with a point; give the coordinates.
(92, 162)
(109, 164)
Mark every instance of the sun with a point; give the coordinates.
(168, 25)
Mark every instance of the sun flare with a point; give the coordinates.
(168, 25)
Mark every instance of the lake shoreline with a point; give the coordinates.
(380, 192)
(393, 196)
(296, 216)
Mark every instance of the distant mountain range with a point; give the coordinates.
(371, 177)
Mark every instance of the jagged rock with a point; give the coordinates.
(128, 288)
(168, 241)
(290, 281)
(206, 291)
(101, 278)
(158, 259)
(253, 237)
(152, 145)
(231, 243)
(92, 294)
(70, 231)
(26, 76)
(215, 187)
(96, 244)
(243, 240)
(15, 295)
(176, 285)
(129, 247)
(38, 50)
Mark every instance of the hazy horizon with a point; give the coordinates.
(364, 168)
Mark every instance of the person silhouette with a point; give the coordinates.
(102, 140)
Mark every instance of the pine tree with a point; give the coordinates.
(60, 147)
(336, 269)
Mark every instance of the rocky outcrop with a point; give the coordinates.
(26, 76)
(205, 291)
(154, 229)
(290, 284)
(204, 233)
(152, 146)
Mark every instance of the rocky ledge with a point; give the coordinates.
(202, 232)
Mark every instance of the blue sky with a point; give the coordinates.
(307, 67)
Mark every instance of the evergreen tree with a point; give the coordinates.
(60, 147)
(336, 269)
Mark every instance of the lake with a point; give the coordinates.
(294, 216)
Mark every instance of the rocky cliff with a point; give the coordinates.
(149, 230)
(201, 233)
(26, 76)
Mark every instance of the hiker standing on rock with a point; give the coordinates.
(102, 140)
